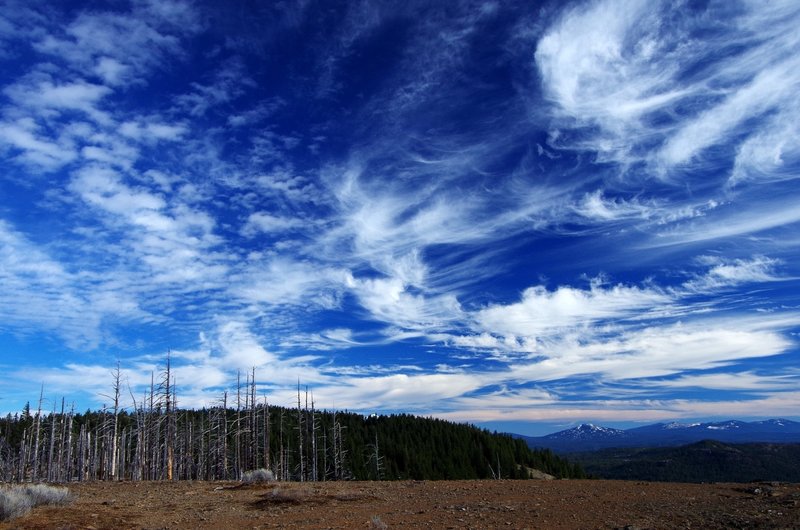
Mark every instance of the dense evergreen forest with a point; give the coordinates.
(157, 441)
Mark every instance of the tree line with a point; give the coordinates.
(155, 439)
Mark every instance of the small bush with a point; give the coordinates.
(377, 524)
(280, 495)
(289, 496)
(14, 503)
(19, 500)
(258, 475)
(42, 494)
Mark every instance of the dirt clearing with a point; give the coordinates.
(421, 504)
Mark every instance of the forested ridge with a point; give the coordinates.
(706, 461)
(154, 440)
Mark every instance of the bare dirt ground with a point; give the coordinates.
(459, 504)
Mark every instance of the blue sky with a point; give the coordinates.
(521, 215)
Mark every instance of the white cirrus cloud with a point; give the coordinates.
(151, 130)
(568, 412)
(659, 350)
(35, 149)
(394, 302)
(730, 221)
(78, 95)
(746, 381)
(727, 273)
(771, 154)
(596, 206)
(282, 281)
(543, 313)
(40, 292)
(619, 68)
(120, 48)
(264, 222)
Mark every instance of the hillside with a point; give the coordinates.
(423, 448)
(296, 444)
(706, 461)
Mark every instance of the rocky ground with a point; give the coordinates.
(458, 504)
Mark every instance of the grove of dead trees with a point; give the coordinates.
(157, 440)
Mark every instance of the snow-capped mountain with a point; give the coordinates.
(588, 437)
(587, 431)
(778, 423)
(726, 426)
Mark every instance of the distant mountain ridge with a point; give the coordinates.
(589, 437)
(706, 461)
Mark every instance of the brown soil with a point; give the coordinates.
(459, 504)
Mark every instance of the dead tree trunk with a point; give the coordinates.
(267, 441)
(300, 435)
(253, 434)
(238, 426)
(225, 435)
(116, 388)
(37, 428)
(51, 451)
(282, 454)
(314, 470)
(377, 459)
(169, 435)
(69, 469)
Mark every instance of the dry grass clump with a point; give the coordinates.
(44, 494)
(288, 496)
(280, 495)
(376, 524)
(257, 476)
(16, 501)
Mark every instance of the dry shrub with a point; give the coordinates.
(17, 501)
(14, 503)
(376, 524)
(44, 494)
(289, 496)
(257, 476)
